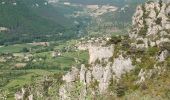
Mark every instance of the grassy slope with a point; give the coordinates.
(14, 79)
(14, 48)
(25, 77)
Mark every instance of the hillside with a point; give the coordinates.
(132, 67)
(84, 50)
(117, 21)
(36, 20)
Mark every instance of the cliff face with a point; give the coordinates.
(147, 51)
(99, 73)
(151, 24)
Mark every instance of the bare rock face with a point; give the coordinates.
(150, 29)
(163, 56)
(122, 65)
(149, 21)
(105, 80)
(137, 17)
(88, 75)
(97, 72)
(24, 94)
(83, 74)
(99, 53)
(101, 72)
(18, 96)
(71, 76)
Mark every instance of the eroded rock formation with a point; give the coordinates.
(150, 33)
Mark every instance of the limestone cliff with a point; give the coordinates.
(146, 46)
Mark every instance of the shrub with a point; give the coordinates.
(120, 90)
(25, 50)
(143, 31)
(168, 62)
(167, 93)
(58, 76)
(97, 61)
(125, 45)
(140, 42)
(66, 68)
(143, 86)
(160, 3)
(158, 21)
(147, 62)
(94, 84)
(115, 40)
(153, 51)
(46, 84)
(136, 51)
(165, 46)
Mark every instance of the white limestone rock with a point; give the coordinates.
(83, 74)
(156, 18)
(97, 72)
(133, 35)
(18, 96)
(88, 77)
(30, 97)
(137, 16)
(122, 65)
(162, 40)
(163, 33)
(152, 44)
(105, 80)
(141, 76)
(163, 56)
(100, 53)
(71, 76)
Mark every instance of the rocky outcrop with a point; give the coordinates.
(24, 94)
(150, 22)
(101, 72)
(71, 76)
(150, 28)
(122, 65)
(163, 55)
(100, 53)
